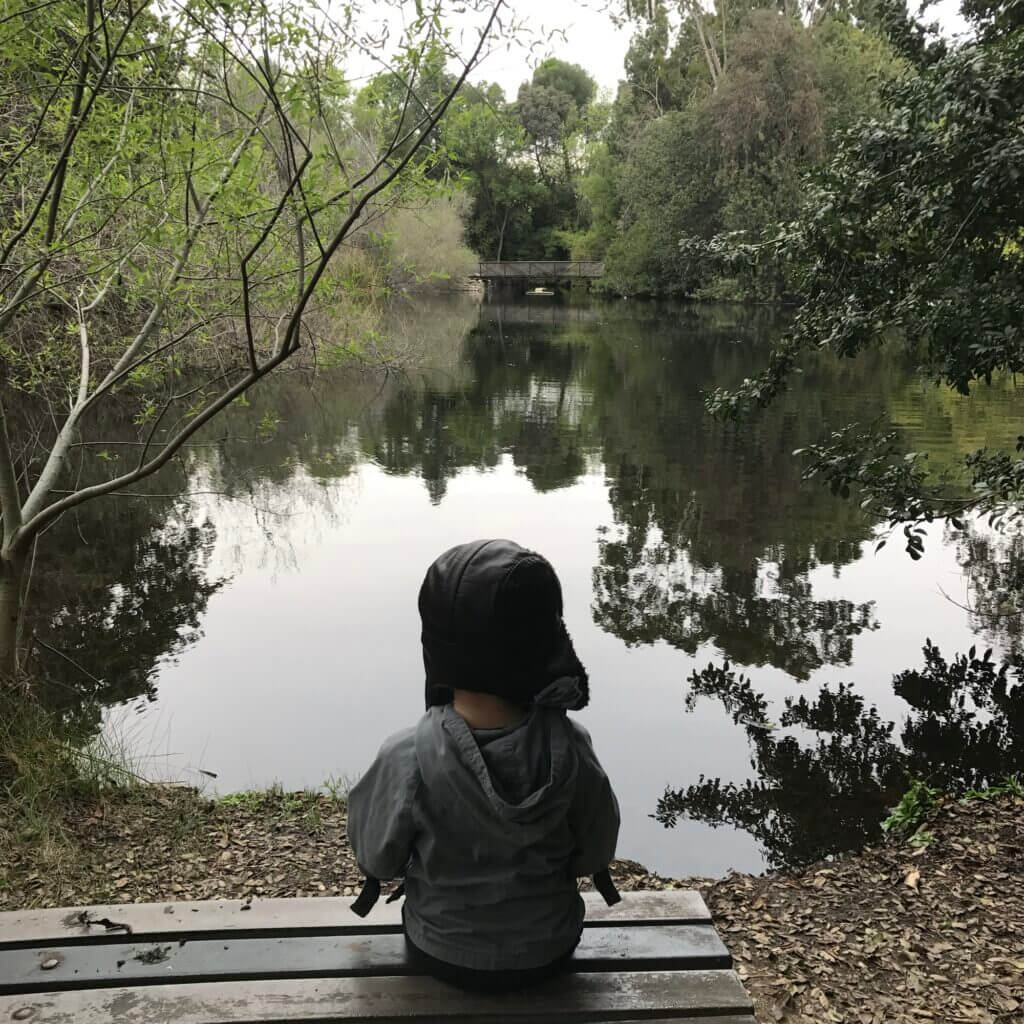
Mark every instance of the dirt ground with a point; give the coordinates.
(887, 936)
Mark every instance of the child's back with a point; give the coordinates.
(491, 827)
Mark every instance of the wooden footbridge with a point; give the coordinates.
(539, 271)
(653, 957)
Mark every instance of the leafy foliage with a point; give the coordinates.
(914, 807)
(713, 130)
(522, 162)
(912, 233)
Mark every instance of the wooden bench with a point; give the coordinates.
(654, 956)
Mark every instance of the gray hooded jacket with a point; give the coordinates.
(491, 828)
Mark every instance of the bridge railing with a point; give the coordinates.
(541, 269)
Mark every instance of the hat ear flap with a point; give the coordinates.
(437, 696)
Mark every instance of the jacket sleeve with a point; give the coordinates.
(594, 814)
(381, 810)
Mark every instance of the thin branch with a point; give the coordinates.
(256, 246)
(25, 11)
(965, 607)
(41, 120)
(83, 338)
(77, 118)
(44, 515)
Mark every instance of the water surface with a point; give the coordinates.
(267, 623)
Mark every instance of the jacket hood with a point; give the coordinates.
(525, 773)
(491, 612)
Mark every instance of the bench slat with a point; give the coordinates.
(578, 998)
(666, 948)
(328, 915)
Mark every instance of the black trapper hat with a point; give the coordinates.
(492, 622)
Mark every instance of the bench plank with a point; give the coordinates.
(325, 915)
(665, 948)
(578, 998)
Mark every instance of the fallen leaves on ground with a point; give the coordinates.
(888, 936)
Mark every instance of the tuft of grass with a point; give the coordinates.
(914, 807)
(1012, 785)
(921, 839)
(337, 787)
(274, 800)
(252, 799)
(44, 772)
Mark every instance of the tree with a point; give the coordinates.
(551, 108)
(714, 129)
(486, 142)
(174, 185)
(913, 233)
(521, 209)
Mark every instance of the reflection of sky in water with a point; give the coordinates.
(311, 653)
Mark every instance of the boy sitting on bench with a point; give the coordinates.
(495, 803)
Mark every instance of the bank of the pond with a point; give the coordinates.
(893, 934)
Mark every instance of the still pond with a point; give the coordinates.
(264, 628)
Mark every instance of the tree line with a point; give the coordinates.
(719, 115)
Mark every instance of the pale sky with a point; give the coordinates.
(592, 41)
(578, 31)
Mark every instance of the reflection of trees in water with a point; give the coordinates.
(758, 619)
(993, 568)
(128, 592)
(117, 584)
(715, 532)
(964, 729)
(522, 397)
(714, 539)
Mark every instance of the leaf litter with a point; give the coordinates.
(890, 935)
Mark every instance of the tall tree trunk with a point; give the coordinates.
(11, 570)
(707, 42)
(501, 234)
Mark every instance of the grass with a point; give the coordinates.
(45, 777)
(337, 787)
(908, 817)
(42, 771)
(1012, 785)
(307, 804)
(273, 799)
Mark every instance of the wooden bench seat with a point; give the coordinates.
(654, 956)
